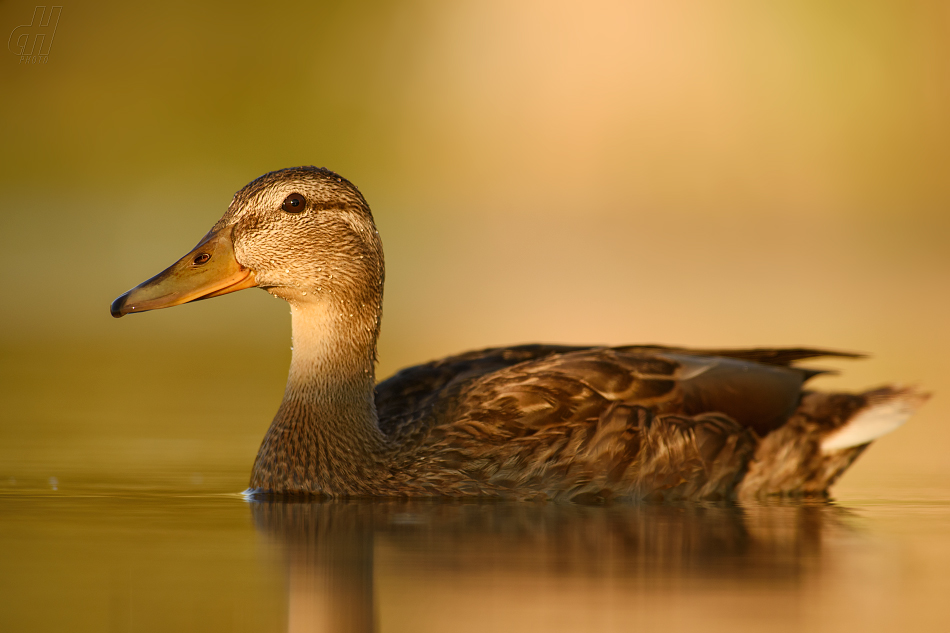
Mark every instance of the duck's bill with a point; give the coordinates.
(209, 270)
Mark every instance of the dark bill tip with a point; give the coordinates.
(117, 307)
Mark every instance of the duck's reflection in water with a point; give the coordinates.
(330, 548)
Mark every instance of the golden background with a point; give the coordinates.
(691, 173)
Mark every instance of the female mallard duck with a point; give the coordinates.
(527, 422)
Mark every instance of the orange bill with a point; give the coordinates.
(209, 270)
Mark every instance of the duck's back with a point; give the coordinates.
(598, 423)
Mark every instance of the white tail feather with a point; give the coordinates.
(892, 409)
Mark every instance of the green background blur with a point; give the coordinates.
(695, 173)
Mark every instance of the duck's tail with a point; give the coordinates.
(823, 437)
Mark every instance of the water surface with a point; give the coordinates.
(90, 560)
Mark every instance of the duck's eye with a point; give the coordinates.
(294, 203)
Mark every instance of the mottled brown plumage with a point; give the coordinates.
(586, 424)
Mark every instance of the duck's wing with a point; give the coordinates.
(758, 387)
(577, 387)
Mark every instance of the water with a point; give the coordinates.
(140, 561)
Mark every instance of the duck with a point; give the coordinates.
(584, 424)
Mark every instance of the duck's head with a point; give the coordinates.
(304, 234)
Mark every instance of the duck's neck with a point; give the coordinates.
(325, 437)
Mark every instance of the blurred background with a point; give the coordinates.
(729, 173)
